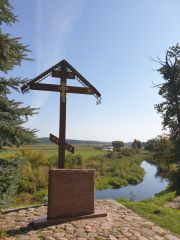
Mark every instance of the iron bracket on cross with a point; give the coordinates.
(64, 71)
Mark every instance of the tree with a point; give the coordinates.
(170, 91)
(150, 145)
(12, 113)
(163, 151)
(117, 145)
(136, 144)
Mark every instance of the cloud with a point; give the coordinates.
(54, 22)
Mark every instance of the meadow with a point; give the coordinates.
(52, 149)
(113, 169)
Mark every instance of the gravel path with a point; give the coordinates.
(120, 223)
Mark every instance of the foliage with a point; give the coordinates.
(12, 114)
(122, 168)
(163, 152)
(117, 145)
(168, 218)
(129, 151)
(150, 145)
(175, 178)
(170, 91)
(8, 179)
(169, 150)
(73, 161)
(136, 144)
(3, 234)
(117, 171)
(41, 196)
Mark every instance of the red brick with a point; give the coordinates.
(70, 192)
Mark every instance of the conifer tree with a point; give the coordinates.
(12, 113)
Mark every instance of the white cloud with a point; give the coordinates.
(55, 20)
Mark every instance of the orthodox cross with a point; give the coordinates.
(64, 71)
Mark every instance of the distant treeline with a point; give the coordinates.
(45, 140)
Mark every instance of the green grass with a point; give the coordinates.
(113, 169)
(120, 171)
(52, 149)
(167, 218)
(3, 234)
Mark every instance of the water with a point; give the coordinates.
(150, 185)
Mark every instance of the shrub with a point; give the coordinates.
(23, 198)
(41, 196)
(8, 179)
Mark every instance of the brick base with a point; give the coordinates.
(70, 193)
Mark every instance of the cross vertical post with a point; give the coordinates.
(62, 128)
(62, 70)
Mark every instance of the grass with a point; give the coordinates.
(113, 169)
(167, 218)
(52, 149)
(3, 234)
(120, 171)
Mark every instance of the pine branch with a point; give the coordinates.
(6, 15)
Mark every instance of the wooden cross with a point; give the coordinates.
(64, 71)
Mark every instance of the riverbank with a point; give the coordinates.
(156, 210)
(150, 185)
(113, 170)
(120, 224)
(117, 170)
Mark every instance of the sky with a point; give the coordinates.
(111, 43)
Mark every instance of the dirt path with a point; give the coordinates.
(120, 223)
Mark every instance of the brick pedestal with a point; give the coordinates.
(70, 193)
(70, 197)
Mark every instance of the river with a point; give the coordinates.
(150, 185)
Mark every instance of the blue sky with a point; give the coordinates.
(111, 43)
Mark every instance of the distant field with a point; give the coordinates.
(51, 149)
(112, 169)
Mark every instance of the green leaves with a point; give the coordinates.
(136, 144)
(117, 145)
(170, 91)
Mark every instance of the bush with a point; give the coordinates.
(132, 180)
(34, 157)
(117, 182)
(41, 196)
(23, 199)
(114, 183)
(73, 161)
(33, 180)
(52, 161)
(8, 179)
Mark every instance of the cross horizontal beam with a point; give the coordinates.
(58, 88)
(56, 140)
(60, 74)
